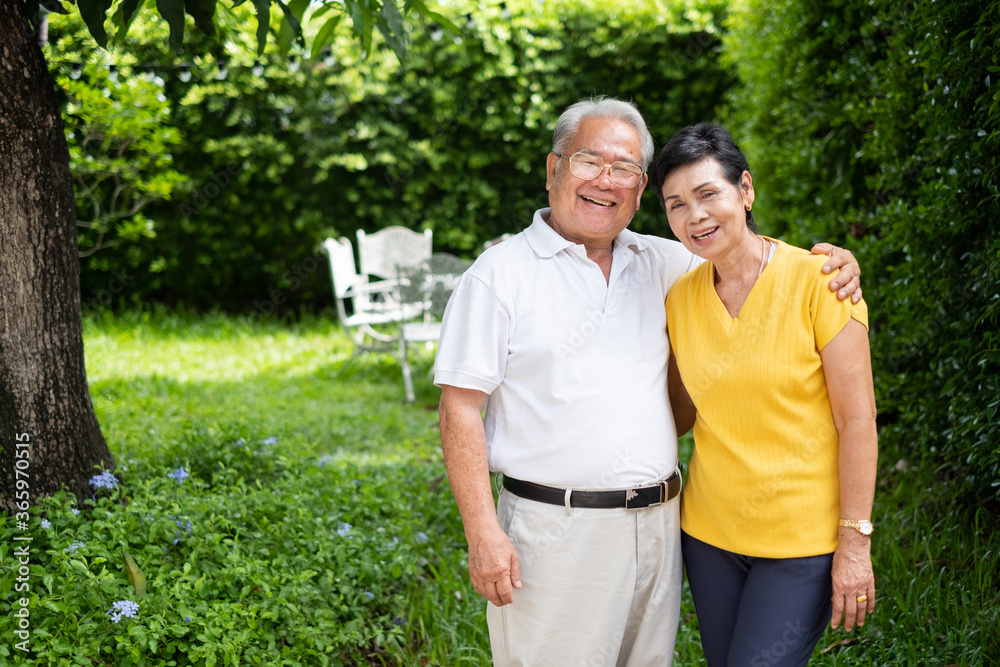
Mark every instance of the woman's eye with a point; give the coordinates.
(707, 194)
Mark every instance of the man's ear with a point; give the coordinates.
(550, 169)
(640, 189)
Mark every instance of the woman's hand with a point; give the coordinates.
(853, 580)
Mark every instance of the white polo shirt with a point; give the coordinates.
(576, 367)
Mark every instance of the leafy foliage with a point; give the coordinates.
(309, 568)
(366, 16)
(877, 124)
(453, 140)
(120, 155)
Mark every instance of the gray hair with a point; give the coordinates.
(601, 107)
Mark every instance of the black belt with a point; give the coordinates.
(636, 498)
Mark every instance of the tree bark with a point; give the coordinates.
(44, 398)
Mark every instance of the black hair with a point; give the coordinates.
(693, 144)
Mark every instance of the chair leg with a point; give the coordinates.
(407, 372)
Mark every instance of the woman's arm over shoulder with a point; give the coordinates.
(847, 368)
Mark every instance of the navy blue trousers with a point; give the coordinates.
(757, 612)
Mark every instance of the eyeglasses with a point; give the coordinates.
(588, 167)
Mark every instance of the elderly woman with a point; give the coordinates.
(775, 517)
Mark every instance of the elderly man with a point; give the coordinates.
(563, 328)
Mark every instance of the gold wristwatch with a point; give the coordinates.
(864, 526)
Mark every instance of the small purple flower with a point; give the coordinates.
(241, 442)
(75, 546)
(273, 440)
(123, 608)
(343, 529)
(369, 595)
(74, 510)
(421, 537)
(180, 474)
(182, 527)
(106, 480)
(326, 458)
(46, 524)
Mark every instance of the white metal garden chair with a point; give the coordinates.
(368, 301)
(428, 286)
(381, 253)
(369, 310)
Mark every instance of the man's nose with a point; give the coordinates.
(604, 178)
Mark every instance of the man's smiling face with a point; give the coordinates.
(594, 212)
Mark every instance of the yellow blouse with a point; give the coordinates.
(763, 480)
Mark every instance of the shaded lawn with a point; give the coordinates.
(161, 380)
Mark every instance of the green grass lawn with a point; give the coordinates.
(316, 526)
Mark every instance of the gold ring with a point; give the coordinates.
(862, 599)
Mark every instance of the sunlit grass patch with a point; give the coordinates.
(286, 508)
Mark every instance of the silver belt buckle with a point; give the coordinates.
(631, 494)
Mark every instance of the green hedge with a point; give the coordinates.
(454, 140)
(876, 124)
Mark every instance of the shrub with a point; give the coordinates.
(308, 566)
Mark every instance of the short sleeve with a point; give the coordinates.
(830, 314)
(472, 352)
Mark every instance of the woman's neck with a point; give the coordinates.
(744, 263)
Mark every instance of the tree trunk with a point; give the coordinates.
(44, 399)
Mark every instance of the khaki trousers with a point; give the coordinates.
(600, 587)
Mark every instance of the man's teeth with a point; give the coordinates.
(598, 201)
(704, 235)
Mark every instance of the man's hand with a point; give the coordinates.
(494, 566)
(848, 281)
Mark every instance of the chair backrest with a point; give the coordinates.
(383, 252)
(431, 282)
(342, 267)
(345, 277)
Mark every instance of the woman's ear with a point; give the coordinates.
(746, 187)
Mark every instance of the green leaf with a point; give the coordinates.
(285, 38)
(124, 16)
(263, 9)
(203, 13)
(54, 6)
(322, 11)
(393, 19)
(325, 34)
(172, 12)
(93, 13)
(361, 23)
(397, 44)
(134, 575)
(292, 22)
(419, 7)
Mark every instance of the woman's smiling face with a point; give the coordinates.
(706, 212)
